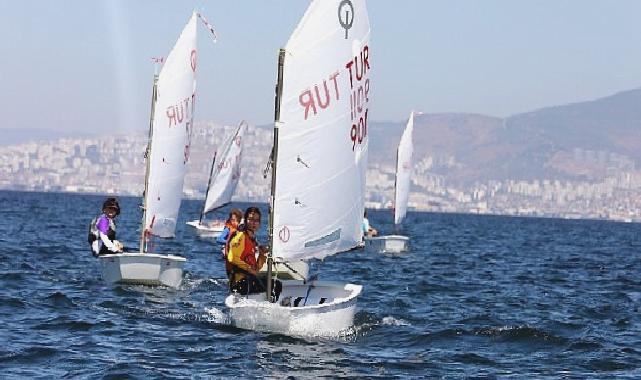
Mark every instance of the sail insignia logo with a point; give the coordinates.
(284, 234)
(346, 15)
(192, 59)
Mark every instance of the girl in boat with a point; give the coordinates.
(231, 225)
(103, 229)
(241, 256)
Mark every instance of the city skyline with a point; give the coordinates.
(115, 165)
(80, 66)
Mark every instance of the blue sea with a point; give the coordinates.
(475, 297)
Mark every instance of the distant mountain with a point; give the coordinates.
(575, 141)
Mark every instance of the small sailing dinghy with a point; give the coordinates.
(223, 179)
(318, 170)
(398, 243)
(170, 127)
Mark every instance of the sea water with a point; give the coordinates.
(476, 296)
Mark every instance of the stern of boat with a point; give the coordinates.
(142, 268)
(388, 244)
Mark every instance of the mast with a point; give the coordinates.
(279, 94)
(143, 230)
(211, 171)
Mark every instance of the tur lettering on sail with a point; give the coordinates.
(324, 95)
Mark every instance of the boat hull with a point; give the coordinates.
(318, 308)
(207, 230)
(142, 268)
(388, 244)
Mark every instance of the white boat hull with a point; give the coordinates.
(390, 243)
(284, 272)
(142, 268)
(207, 230)
(318, 308)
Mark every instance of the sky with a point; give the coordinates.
(78, 65)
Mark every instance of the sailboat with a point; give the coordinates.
(399, 243)
(170, 126)
(318, 170)
(224, 176)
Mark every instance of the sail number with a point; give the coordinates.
(359, 95)
(359, 131)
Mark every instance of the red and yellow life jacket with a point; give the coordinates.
(241, 254)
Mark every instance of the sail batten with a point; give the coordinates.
(171, 134)
(322, 132)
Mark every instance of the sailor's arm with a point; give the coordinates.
(108, 243)
(262, 257)
(222, 238)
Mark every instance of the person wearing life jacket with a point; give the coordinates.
(246, 257)
(105, 229)
(231, 225)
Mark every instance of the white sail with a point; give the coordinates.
(171, 134)
(322, 141)
(227, 171)
(403, 171)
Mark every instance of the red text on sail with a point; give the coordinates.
(181, 111)
(322, 96)
(358, 69)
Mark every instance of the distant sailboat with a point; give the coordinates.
(170, 127)
(223, 179)
(399, 243)
(318, 174)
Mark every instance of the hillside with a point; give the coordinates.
(575, 141)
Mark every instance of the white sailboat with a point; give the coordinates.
(223, 179)
(170, 129)
(399, 243)
(318, 172)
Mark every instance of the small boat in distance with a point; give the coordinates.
(223, 180)
(398, 243)
(318, 170)
(170, 127)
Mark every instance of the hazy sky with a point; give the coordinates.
(85, 65)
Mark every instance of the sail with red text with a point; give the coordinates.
(322, 132)
(171, 134)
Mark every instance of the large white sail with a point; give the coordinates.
(321, 154)
(171, 134)
(403, 171)
(227, 171)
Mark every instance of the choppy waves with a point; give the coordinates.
(477, 296)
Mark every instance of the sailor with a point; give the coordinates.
(103, 229)
(368, 230)
(246, 257)
(231, 225)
